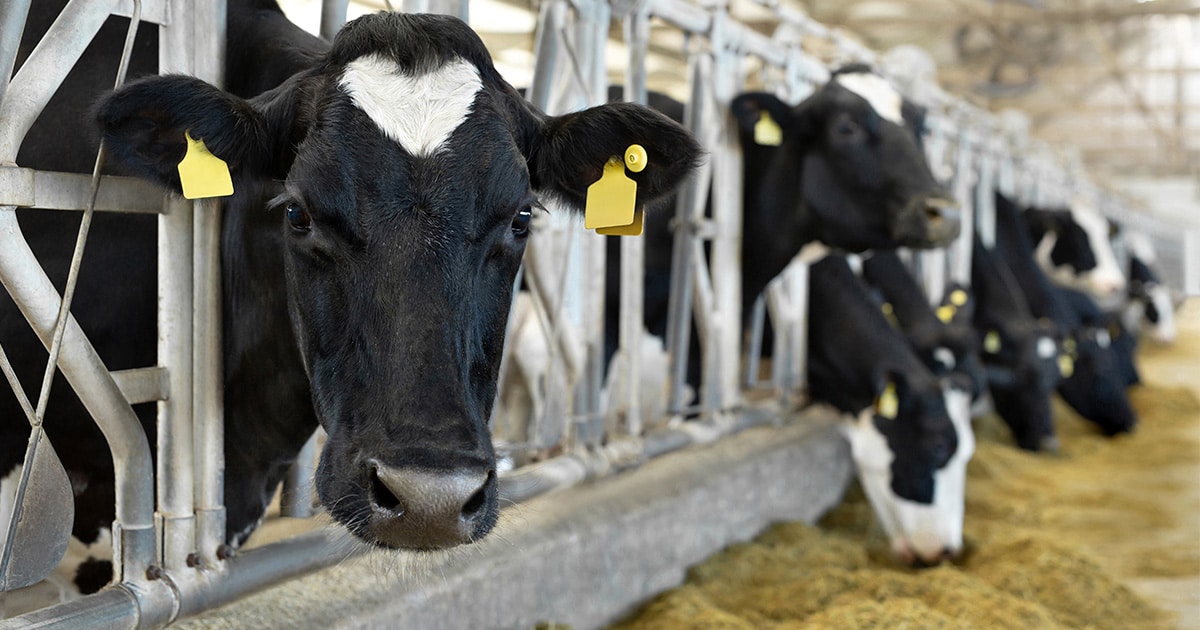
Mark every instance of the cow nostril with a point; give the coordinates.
(478, 500)
(383, 496)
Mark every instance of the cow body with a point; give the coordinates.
(1092, 385)
(367, 256)
(909, 450)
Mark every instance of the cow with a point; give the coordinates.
(1091, 384)
(1073, 247)
(1150, 305)
(848, 171)
(947, 346)
(1019, 352)
(384, 187)
(910, 438)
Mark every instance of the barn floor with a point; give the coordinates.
(1107, 535)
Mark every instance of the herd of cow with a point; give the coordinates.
(384, 186)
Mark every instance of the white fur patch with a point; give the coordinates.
(1163, 331)
(881, 95)
(915, 529)
(1046, 348)
(419, 112)
(1106, 279)
(813, 252)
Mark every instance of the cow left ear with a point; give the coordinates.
(568, 153)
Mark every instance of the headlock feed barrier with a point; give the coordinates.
(564, 416)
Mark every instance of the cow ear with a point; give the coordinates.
(891, 386)
(566, 154)
(748, 110)
(144, 124)
(914, 117)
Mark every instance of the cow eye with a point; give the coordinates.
(298, 218)
(846, 128)
(520, 223)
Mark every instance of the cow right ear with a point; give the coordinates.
(144, 124)
(750, 108)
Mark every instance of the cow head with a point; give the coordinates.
(1021, 360)
(911, 449)
(1150, 300)
(1094, 386)
(405, 171)
(850, 162)
(1074, 247)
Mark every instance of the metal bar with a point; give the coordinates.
(758, 316)
(637, 38)
(681, 14)
(727, 217)
(152, 11)
(333, 16)
(296, 499)
(12, 23)
(70, 191)
(208, 420)
(142, 385)
(46, 68)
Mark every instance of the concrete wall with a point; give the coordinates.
(584, 556)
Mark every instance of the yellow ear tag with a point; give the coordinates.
(958, 297)
(611, 200)
(767, 132)
(1066, 365)
(1069, 346)
(633, 229)
(946, 313)
(889, 313)
(888, 405)
(991, 342)
(202, 174)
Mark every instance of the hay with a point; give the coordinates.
(1048, 542)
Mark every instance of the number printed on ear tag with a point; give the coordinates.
(610, 200)
(633, 229)
(202, 174)
(767, 132)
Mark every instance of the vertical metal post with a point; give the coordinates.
(727, 216)
(636, 28)
(12, 24)
(1191, 264)
(333, 16)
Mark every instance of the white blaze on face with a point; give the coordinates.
(1106, 279)
(877, 91)
(419, 112)
(915, 529)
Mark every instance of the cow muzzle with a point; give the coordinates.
(413, 508)
(928, 221)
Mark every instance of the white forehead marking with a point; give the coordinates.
(877, 91)
(419, 112)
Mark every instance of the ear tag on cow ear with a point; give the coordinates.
(958, 297)
(633, 229)
(1069, 346)
(888, 405)
(612, 200)
(991, 342)
(202, 174)
(767, 132)
(1066, 365)
(946, 312)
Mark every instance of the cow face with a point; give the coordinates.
(911, 450)
(1075, 250)
(404, 171)
(849, 163)
(1150, 301)
(1021, 362)
(1095, 386)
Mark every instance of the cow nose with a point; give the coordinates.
(417, 508)
(939, 209)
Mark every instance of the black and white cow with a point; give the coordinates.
(947, 345)
(1151, 306)
(1092, 384)
(910, 438)
(1074, 248)
(384, 186)
(1019, 352)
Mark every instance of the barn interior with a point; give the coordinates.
(1105, 93)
